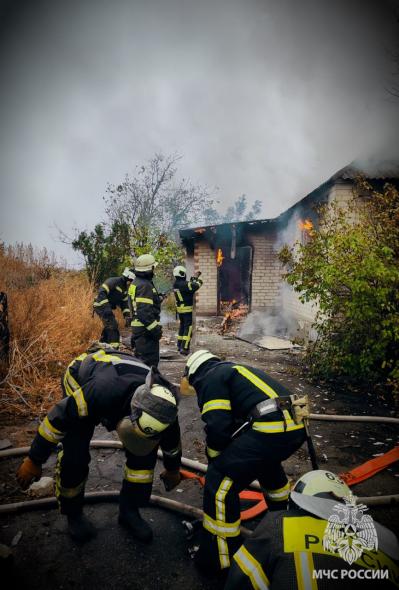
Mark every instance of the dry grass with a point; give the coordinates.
(50, 322)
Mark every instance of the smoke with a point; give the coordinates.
(167, 317)
(262, 98)
(279, 321)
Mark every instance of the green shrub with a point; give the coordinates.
(350, 267)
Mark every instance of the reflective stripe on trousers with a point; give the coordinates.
(220, 526)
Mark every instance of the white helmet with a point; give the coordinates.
(145, 262)
(322, 484)
(179, 271)
(128, 273)
(196, 359)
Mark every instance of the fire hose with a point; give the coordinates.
(352, 477)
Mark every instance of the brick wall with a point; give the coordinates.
(266, 275)
(204, 260)
(342, 193)
(266, 272)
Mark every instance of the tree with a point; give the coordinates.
(105, 250)
(144, 213)
(236, 212)
(155, 201)
(350, 268)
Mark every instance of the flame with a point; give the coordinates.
(306, 225)
(232, 310)
(219, 257)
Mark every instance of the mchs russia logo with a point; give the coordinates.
(349, 532)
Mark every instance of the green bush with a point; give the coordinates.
(350, 268)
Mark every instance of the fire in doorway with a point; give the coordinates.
(234, 278)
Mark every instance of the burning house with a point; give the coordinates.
(239, 262)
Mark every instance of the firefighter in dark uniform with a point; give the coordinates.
(112, 294)
(145, 305)
(288, 551)
(229, 396)
(184, 294)
(122, 393)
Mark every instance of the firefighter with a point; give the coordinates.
(249, 431)
(184, 294)
(286, 550)
(145, 305)
(113, 293)
(117, 390)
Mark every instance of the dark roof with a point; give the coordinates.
(370, 169)
(193, 232)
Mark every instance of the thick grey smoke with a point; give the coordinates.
(261, 97)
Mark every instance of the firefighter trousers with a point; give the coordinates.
(146, 346)
(137, 480)
(110, 331)
(253, 455)
(73, 468)
(185, 331)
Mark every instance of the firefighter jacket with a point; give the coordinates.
(145, 304)
(184, 293)
(227, 393)
(98, 387)
(112, 294)
(286, 552)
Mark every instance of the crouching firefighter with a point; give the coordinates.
(250, 430)
(113, 294)
(145, 304)
(184, 294)
(122, 393)
(310, 545)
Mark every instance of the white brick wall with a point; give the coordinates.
(266, 272)
(204, 260)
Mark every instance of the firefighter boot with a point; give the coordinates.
(129, 516)
(80, 528)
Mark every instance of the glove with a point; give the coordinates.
(170, 479)
(128, 321)
(27, 472)
(156, 333)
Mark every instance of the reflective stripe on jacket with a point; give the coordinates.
(112, 294)
(99, 388)
(184, 293)
(285, 551)
(145, 304)
(227, 392)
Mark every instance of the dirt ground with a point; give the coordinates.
(43, 555)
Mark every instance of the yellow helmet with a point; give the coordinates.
(197, 359)
(179, 271)
(154, 408)
(145, 262)
(323, 484)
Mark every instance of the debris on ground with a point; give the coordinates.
(42, 488)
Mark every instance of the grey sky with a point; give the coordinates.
(265, 98)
